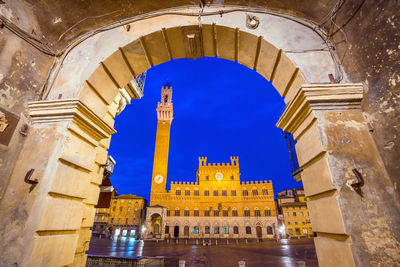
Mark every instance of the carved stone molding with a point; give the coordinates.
(312, 97)
(85, 121)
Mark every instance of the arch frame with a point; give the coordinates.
(77, 118)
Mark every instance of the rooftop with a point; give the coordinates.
(128, 196)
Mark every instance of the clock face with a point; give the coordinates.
(219, 176)
(158, 179)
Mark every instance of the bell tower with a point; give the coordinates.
(160, 164)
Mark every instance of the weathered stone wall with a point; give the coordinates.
(371, 55)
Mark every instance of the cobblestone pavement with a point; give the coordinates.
(267, 253)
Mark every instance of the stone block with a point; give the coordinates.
(105, 142)
(176, 44)
(309, 145)
(53, 250)
(208, 41)
(61, 214)
(266, 59)
(113, 107)
(325, 215)
(317, 177)
(89, 212)
(92, 194)
(79, 152)
(283, 74)
(136, 57)
(226, 42)
(247, 49)
(96, 176)
(70, 180)
(333, 253)
(118, 68)
(295, 87)
(83, 240)
(79, 260)
(109, 119)
(156, 48)
(93, 101)
(297, 130)
(101, 155)
(103, 85)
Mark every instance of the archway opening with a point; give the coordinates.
(176, 231)
(155, 225)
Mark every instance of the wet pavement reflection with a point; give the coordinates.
(267, 253)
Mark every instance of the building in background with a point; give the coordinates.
(217, 205)
(293, 216)
(107, 191)
(127, 215)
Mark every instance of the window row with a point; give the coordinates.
(122, 201)
(287, 214)
(216, 230)
(264, 192)
(297, 231)
(121, 209)
(216, 213)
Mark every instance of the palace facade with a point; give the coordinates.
(216, 205)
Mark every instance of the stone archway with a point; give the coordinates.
(155, 224)
(76, 121)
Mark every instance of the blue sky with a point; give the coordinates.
(221, 109)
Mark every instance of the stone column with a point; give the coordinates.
(355, 226)
(76, 140)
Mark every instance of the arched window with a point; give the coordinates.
(196, 230)
(234, 212)
(224, 193)
(187, 192)
(248, 230)
(225, 212)
(269, 230)
(255, 192)
(246, 212)
(167, 229)
(265, 192)
(233, 192)
(196, 212)
(257, 212)
(177, 212)
(206, 192)
(178, 192)
(206, 212)
(168, 212)
(226, 230)
(235, 230)
(216, 229)
(215, 192)
(186, 211)
(207, 230)
(196, 192)
(267, 212)
(216, 212)
(245, 193)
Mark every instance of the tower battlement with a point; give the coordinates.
(165, 106)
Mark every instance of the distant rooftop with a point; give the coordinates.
(128, 196)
